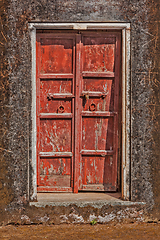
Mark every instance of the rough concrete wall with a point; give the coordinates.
(154, 102)
(16, 87)
(76, 214)
(6, 194)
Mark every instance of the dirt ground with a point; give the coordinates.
(76, 231)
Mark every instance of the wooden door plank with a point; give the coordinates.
(96, 152)
(98, 74)
(54, 76)
(98, 114)
(55, 154)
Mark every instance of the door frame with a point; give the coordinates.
(126, 95)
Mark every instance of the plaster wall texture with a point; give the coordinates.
(15, 87)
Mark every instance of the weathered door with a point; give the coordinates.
(98, 111)
(77, 111)
(55, 111)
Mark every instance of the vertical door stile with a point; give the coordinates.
(116, 107)
(73, 112)
(80, 111)
(77, 112)
(38, 103)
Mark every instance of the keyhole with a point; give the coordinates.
(61, 109)
(92, 107)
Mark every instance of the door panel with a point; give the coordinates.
(50, 89)
(77, 111)
(98, 53)
(55, 135)
(95, 133)
(56, 55)
(55, 172)
(102, 93)
(92, 173)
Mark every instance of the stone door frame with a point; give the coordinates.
(126, 95)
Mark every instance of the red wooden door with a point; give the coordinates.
(55, 111)
(97, 96)
(77, 111)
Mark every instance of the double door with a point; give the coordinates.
(77, 111)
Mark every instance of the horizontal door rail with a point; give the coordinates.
(98, 114)
(53, 189)
(56, 115)
(93, 187)
(98, 74)
(52, 96)
(55, 154)
(102, 153)
(88, 94)
(55, 75)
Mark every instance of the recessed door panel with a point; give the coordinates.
(56, 55)
(55, 135)
(97, 133)
(102, 91)
(51, 93)
(55, 172)
(92, 171)
(98, 53)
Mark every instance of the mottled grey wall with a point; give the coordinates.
(15, 97)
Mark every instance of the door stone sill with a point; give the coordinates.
(82, 199)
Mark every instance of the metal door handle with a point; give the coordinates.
(85, 95)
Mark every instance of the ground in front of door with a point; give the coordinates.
(82, 231)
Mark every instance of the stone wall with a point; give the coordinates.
(15, 90)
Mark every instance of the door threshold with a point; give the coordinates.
(81, 199)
